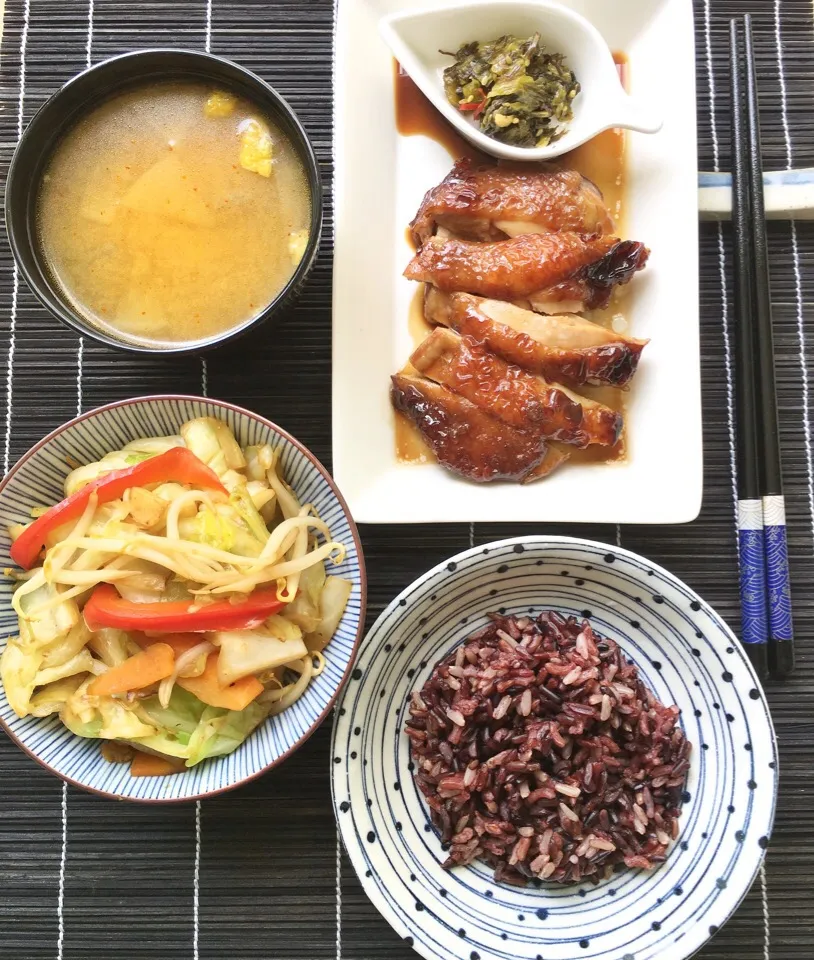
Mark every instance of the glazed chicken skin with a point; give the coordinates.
(510, 256)
(468, 441)
(488, 202)
(520, 399)
(564, 349)
(486, 381)
(553, 267)
(591, 287)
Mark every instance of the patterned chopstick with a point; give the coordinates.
(781, 637)
(751, 542)
(765, 588)
(781, 631)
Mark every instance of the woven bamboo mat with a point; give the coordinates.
(259, 873)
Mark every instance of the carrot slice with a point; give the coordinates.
(140, 670)
(149, 765)
(180, 642)
(207, 689)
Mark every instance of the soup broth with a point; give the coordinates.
(173, 212)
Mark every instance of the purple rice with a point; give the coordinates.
(540, 751)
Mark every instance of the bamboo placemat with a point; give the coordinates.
(259, 873)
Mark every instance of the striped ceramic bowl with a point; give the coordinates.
(37, 480)
(685, 654)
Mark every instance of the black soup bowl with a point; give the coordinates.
(80, 95)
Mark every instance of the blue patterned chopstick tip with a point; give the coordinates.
(777, 568)
(752, 558)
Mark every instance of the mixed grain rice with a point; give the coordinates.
(539, 750)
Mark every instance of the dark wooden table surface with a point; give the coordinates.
(259, 873)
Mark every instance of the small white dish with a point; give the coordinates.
(417, 37)
(685, 653)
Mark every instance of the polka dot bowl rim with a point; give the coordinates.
(463, 914)
(70, 757)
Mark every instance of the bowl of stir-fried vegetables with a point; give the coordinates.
(182, 598)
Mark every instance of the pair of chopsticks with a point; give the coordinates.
(764, 566)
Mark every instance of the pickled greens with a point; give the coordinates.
(514, 90)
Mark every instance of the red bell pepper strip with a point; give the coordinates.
(106, 608)
(477, 105)
(177, 464)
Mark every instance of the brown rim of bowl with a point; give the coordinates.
(362, 586)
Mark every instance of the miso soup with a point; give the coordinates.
(173, 212)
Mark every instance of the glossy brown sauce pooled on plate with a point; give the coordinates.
(601, 160)
(416, 115)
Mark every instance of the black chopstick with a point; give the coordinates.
(765, 592)
(751, 546)
(781, 634)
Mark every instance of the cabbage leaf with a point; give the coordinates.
(107, 718)
(49, 625)
(188, 729)
(246, 652)
(18, 672)
(52, 697)
(222, 731)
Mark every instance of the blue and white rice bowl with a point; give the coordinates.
(37, 479)
(685, 653)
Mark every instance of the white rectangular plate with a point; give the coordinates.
(379, 182)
